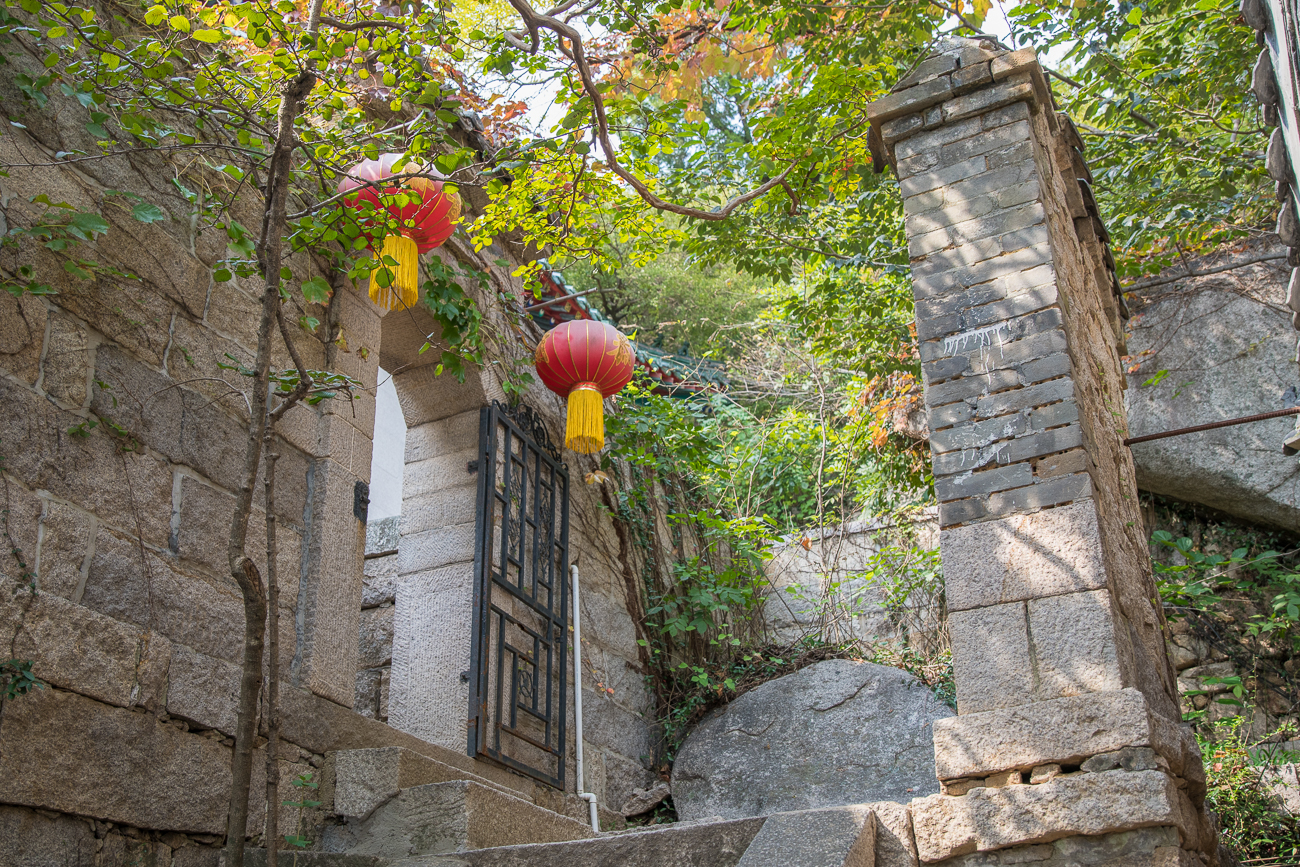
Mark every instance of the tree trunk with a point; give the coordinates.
(273, 671)
(269, 250)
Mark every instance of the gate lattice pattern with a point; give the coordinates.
(518, 691)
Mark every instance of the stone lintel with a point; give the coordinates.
(1061, 731)
(986, 819)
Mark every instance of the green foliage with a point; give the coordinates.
(1160, 93)
(302, 782)
(17, 679)
(1201, 580)
(1251, 823)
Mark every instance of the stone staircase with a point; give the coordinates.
(399, 808)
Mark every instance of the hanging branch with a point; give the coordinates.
(536, 21)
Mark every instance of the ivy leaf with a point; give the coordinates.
(148, 213)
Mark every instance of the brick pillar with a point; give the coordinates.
(1057, 634)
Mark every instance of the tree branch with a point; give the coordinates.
(536, 21)
(1203, 272)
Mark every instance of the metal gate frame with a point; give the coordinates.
(521, 440)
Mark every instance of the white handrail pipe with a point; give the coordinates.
(577, 701)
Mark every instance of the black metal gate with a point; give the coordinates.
(518, 689)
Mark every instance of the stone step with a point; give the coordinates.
(704, 844)
(366, 778)
(444, 818)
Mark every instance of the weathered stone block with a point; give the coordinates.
(961, 511)
(203, 690)
(1044, 442)
(1064, 730)
(1023, 557)
(895, 844)
(77, 649)
(138, 585)
(445, 436)
(1083, 804)
(831, 837)
(971, 76)
(1026, 302)
(910, 100)
(966, 387)
(446, 507)
(1054, 416)
(203, 531)
(991, 659)
(431, 646)
(22, 334)
(167, 779)
(1045, 368)
(986, 141)
(31, 839)
(1074, 644)
(972, 484)
(901, 127)
(978, 435)
(744, 759)
(935, 139)
(447, 472)
(65, 366)
(1006, 65)
(66, 536)
(997, 223)
(1049, 492)
(1006, 114)
(376, 637)
(128, 489)
(986, 99)
(926, 181)
(931, 67)
(1005, 402)
(432, 549)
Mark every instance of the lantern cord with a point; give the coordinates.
(585, 426)
(1263, 416)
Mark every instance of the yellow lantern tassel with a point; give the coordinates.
(404, 284)
(585, 427)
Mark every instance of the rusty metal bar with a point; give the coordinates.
(1263, 416)
(562, 298)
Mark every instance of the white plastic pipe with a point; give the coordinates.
(577, 700)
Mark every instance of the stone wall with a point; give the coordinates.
(122, 445)
(834, 583)
(1068, 723)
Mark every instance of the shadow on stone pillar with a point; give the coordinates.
(1068, 726)
(428, 696)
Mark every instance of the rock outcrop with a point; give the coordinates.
(837, 732)
(1210, 348)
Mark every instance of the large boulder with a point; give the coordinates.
(834, 733)
(1210, 348)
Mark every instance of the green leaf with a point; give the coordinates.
(316, 290)
(90, 224)
(148, 213)
(179, 22)
(155, 15)
(208, 36)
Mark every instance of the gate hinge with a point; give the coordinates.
(471, 467)
(360, 500)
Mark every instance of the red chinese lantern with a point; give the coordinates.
(586, 362)
(425, 221)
